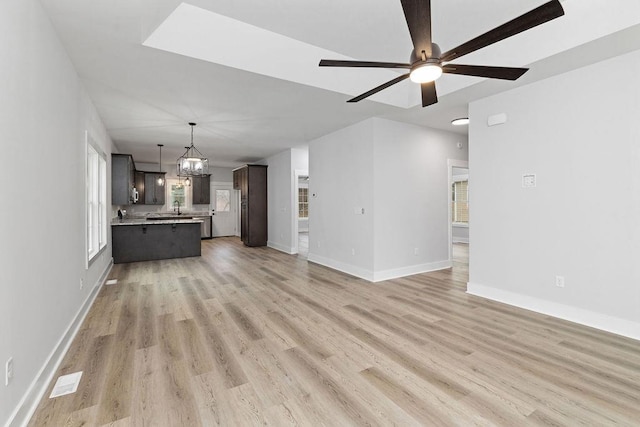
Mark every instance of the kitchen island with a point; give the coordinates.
(142, 239)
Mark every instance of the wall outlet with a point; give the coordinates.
(560, 281)
(8, 371)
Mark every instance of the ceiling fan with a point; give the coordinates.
(427, 62)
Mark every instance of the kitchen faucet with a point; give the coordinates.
(177, 202)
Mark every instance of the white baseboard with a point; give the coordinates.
(29, 402)
(282, 248)
(379, 276)
(340, 266)
(593, 319)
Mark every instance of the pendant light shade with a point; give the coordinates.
(192, 162)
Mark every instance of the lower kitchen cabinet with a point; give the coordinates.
(131, 243)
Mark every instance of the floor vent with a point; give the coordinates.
(66, 384)
(112, 281)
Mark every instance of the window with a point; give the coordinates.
(303, 203)
(178, 196)
(460, 202)
(96, 200)
(223, 200)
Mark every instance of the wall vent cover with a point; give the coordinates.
(529, 180)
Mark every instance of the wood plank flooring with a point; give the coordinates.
(251, 336)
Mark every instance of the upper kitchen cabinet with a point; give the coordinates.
(139, 185)
(201, 190)
(123, 180)
(154, 193)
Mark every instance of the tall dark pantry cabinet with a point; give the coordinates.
(251, 180)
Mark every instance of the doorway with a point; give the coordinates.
(458, 188)
(301, 217)
(224, 221)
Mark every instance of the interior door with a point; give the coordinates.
(224, 210)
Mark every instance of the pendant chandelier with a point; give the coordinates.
(160, 179)
(192, 162)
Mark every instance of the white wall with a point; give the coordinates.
(398, 174)
(341, 181)
(460, 233)
(279, 195)
(579, 133)
(411, 191)
(281, 198)
(44, 113)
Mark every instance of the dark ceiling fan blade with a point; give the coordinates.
(418, 16)
(429, 95)
(537, 16)
(379, 88)
(505, 73)
(370, 64)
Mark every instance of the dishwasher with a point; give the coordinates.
(206, 229)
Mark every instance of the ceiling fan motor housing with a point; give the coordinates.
(417, 56)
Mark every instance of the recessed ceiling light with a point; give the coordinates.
(460, 121)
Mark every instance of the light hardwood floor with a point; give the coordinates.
(251, 336)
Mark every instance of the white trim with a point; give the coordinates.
(461, 240)
(297, 173)
(282, 248)
(452, 163)
(590, 318)
(379, 276)
(31, 398)
(340, 266)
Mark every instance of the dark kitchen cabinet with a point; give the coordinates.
(139, 185)
(201, 190)
(122, 179)
(251, 180)
(154, 193)
(132, 243)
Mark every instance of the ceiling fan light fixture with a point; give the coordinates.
(425, 72)
(460, 121)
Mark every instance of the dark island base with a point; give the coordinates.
(132, 243)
